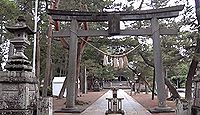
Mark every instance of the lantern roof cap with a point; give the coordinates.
(20, 26)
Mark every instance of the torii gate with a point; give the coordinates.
(114, 19)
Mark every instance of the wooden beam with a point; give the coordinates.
(62, 15)
(99, 18)
(149, 16)
(93, 33)
(86, 13)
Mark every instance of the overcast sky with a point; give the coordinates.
(137, 3)
(171, 2)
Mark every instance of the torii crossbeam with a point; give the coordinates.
(81, 16)
(113, 19)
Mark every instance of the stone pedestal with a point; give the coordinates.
(161, 110)
(46, 106)
(18, 85)
(18, 94)
(71, 110)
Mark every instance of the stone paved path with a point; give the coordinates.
(130, 106)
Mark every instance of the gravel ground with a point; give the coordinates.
(84, 101)
(146, 101)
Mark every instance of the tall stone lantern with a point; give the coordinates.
(18, 85)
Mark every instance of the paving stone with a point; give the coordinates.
(129, 105)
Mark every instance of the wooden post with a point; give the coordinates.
(84, 81)
(158, 63)
(146, 87)
(48, 61)
(71, 80)
(153, 89)
(38, 56)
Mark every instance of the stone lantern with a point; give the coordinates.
(21, 31)
(18, 85)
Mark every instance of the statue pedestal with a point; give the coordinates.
(18, 93)
(46, 106)
(69, 110)
(161, 110)
(18, 85)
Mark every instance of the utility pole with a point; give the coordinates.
(35, 35)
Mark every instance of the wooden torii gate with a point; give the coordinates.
(114, 19)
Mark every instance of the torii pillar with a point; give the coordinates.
(71, 76)
(159, 72)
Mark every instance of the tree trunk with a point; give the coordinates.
(146, 87)
(1, 40)
(38, 56)
(191, 72)
(47, 78)
(190, 75)
(62, 91)
(193, 65)
(172, 89)
(77, 76)
(84, 80)
(154, 84)
(48, 60)
(141, 77)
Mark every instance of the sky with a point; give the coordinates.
(137, 3)
(171, 2)
(144, 7)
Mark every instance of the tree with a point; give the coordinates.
(83, 6)
(8, 15)
(195, 61)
